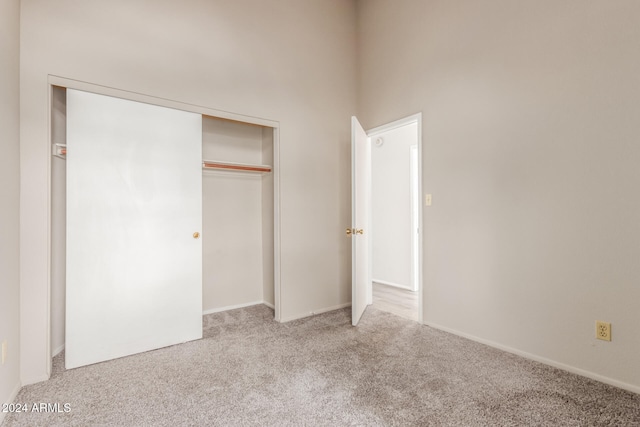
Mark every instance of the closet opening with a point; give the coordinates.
(240, 232)
(237, 220)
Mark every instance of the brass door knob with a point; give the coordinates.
(349, 231)
(196, 235)
(359, 231)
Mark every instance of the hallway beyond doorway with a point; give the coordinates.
(401, 302)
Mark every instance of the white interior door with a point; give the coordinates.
(360, 193)
(134, 202)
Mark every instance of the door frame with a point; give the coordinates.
(53, 80)
(415, 221)
(371, 133)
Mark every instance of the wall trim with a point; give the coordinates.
(36, 379)
(395, 285)
(550, 362)
(414, 118)
(12, 397)
(232, 307)
(155, 100)
(58, 350)
(313, 313)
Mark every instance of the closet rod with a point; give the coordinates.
(235, 166)
(60, 150)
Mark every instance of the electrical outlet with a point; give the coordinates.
(603, 330)
(4, 351)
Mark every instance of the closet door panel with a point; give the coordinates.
(134, 202)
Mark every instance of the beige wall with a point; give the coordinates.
(531, 152)
(530, 149)
(9, 197)
(286, 60)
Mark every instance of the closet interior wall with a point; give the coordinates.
(238, 218)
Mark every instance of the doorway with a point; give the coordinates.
(395, 249)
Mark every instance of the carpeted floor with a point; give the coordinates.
(320, 371)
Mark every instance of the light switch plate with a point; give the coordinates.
(427, 199)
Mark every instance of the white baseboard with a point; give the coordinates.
(11, 398)
(268, 304)
(625, 386)
(35, 380)
(57, 351)
(313, 313)
(395, 285)
(232, 307)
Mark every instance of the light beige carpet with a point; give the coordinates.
(252, 371)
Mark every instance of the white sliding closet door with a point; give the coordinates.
(134, 202)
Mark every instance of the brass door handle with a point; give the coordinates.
(196, 235)
(351, 231)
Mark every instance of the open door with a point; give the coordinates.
(359, 230)
(134, 214)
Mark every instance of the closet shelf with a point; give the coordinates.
(241, 167)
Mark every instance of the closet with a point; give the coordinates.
(237, 196)
(128, 217)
